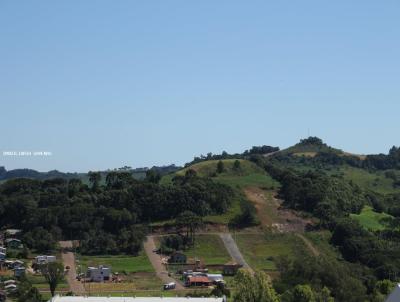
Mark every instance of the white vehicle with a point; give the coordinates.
(170, 285)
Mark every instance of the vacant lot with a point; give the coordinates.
(370, 219)
(132, 282)
(119, 263)
(209, 248)
(262, 250)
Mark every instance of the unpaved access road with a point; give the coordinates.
(155, 259)
(68, 259)
(233, 250)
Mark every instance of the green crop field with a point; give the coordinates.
(370, 219)
(119, 263)
(261, 250)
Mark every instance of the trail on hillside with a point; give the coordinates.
(233, 250)
(271, 214)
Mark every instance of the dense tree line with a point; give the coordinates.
(326, 197)
(108, 218)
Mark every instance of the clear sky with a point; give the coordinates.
(102, 84)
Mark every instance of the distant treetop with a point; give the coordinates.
(312, 140)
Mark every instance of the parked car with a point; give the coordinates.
(170, 285)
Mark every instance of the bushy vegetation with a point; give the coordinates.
(106, 218)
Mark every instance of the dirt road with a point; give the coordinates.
(68, 259)
(155, 259)
(233, 250)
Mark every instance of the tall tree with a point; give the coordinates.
(220, 167)
(191, 222)
(94, 178)
(53, 273)
(253, 288)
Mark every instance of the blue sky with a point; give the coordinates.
(102, 84)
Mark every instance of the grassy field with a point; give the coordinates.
(261, 250)
(210, 249)
(249, 173)
(374, 181)
(119, 263)
(133, 282)
(370, 219)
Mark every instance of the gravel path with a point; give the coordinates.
(233, 250)
(155, 259)
(68, 259)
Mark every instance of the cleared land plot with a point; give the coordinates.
(119, 263)
(132, 282)
(370, 219)
(261, 250)
(209, 248)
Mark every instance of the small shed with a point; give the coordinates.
(178, 257)
(13, 243)
(44, 259)
(10, 287)
(215, 277)
(12, 233)
(231, 268)
(99, 274)
(8, 282)
(19, 271)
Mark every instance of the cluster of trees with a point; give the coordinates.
(261, 150)
(329, 279)
(382, 161)
(325, 196)
(255, 150)
(109, 217)
(378, 251)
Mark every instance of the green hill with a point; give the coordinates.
(248, 174)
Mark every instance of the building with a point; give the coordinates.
(177, 257)
(2, 256)
(133, 299)
(198, 281)
(10, 288)
(13, 243)
(99, 274)
(3, 250)
(12, 233)
(19, 271)
(215, 277)
(231, 268)
(43, 259)
(8, 282)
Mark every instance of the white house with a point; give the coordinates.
(99, 274)
(43, 259)
(133, 299)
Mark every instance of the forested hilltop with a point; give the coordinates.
(323, 223)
